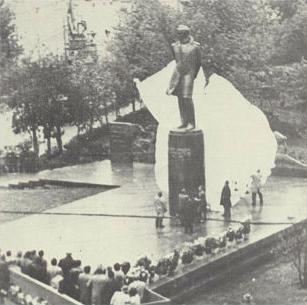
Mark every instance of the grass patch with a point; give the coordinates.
(274, 283)
(39, 200)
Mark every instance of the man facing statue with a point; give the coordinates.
(187, 54)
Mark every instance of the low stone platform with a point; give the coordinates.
(32, 184)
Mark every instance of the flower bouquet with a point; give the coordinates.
(143, 261)
(187, 256)
(222, 241)
(211, 245)
(174, 262)
(198, 249)
(163, 266)
(239, 235)
(230, 234)
(245, 228)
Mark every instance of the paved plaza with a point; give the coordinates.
(97, 239)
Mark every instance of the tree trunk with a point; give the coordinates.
(133, 105)
(106, 116)
(35, 142)
(49, 146)
(59, 139)
(100, 121)
(47, 133)
(305, 270)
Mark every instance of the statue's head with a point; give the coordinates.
(183, 32)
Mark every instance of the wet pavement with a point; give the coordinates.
(97, 239)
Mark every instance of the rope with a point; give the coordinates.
(134, 216)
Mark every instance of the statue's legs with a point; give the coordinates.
(183, 111)
(189, 112)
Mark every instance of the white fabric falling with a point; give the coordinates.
(238, 138)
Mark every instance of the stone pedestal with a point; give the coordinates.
(121, 140)
(185, 164)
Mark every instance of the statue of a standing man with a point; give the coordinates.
(187, 54)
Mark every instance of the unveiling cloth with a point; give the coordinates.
(238, 138)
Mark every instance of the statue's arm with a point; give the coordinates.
(198, 60)
(173, 51)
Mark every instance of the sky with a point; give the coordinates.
(39, 23)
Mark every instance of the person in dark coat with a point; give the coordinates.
(201, 202)
(4, 274)
(42, 259)
(4, 278)
(26, 263)
(38, 270)
(226, 200)
(183, 199)
(72, 283)
(85, 290)
(188, 215)
(66, 264)
(110, 288)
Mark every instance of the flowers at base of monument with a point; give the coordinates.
(246, 227)
(211, 245)
(222, 241)
(230, 234)
(174, 261)
(200, 246)
(168, 264)
(187, 256)
(242, 233)
(143, 261)
(198, 249)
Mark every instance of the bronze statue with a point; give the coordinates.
(187, 54)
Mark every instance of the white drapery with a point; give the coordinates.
(238, 138)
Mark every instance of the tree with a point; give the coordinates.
(236, 38)
(290, 37)
(9, 47)
(293, 245)
(233, 34)
(94, 90)
(141, 46)
(38, 97)
(24, 100)
(55, 82)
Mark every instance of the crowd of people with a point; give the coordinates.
(116, 285)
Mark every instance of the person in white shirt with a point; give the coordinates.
(160, 206)
(134, 296)
(121, 297)
(54, 273)
(140, 284)
(256, 186)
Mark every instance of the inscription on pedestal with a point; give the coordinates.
(179, 153)
(185, 164)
